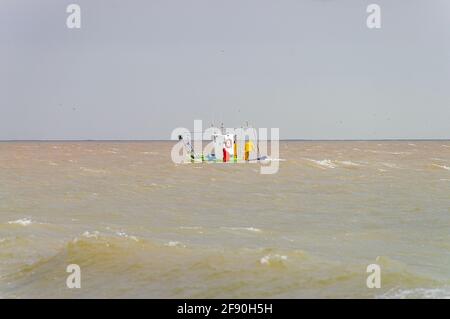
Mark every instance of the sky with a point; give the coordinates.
(139, 69)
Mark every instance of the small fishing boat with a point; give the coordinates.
(226, 148)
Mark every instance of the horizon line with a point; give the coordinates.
(281, 140)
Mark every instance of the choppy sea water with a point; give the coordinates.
(141, 226)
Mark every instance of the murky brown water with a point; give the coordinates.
(140, 226)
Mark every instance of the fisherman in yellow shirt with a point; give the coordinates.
(248, 148)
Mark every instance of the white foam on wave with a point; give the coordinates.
(324, 164)
(251, 229)
(390, 165)
(21, 222)
(95, 171)
(271, 259)
(150, 153)
(269, 159)
(88, 234)
(125, 235)
(349, 163)
(174, 244)
(387, 152)
(429, 293)
(442, 166)
(327, 163)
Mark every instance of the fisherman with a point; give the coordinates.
(235, 146)
(248, 148)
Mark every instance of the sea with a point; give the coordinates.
(140, 226)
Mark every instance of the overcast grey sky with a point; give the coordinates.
(138, 69)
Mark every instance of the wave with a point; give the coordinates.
(428, 293)
(114, 265)
(150, 153)
(125, 235)
(175, 244)
(327, 163)
(273, 259)
(88, 234)
(21, 222)
(349, 163)
(442, 166)
(324, 164)
(390, 165)
(251, 229)
(439, 159)
(389, 153)
(190, 227)
(93, 171)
